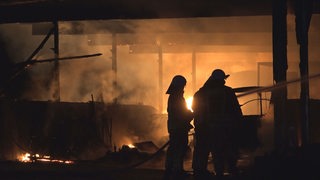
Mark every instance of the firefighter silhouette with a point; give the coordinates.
(178, 124)
(217, 121)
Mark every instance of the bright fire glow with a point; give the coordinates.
(131, 146)
(189, 102)
(36, 157)
(24, 157)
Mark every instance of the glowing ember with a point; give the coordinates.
(189, 102)
(131, 146)
(27, 157)
(24, 157)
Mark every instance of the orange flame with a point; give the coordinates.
(189, 102)
(131, 146)
(27, 157)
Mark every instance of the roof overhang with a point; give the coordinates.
(12, 11)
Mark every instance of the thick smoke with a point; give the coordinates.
(265, 133)
(137, 74)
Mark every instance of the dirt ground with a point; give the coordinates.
(90, 170)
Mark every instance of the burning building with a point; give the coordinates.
(109, 91)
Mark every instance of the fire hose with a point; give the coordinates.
(147, 159)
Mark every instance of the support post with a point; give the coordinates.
(56, 71)
(303, 13)
(279, 96)
(194, 71)
(160, 78)
(114, 66)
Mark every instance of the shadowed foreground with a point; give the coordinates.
(300, 163)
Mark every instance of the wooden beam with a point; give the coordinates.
(46, 11)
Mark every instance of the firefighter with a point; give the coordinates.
(178, 125)
(201, 145)
(217, 121)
